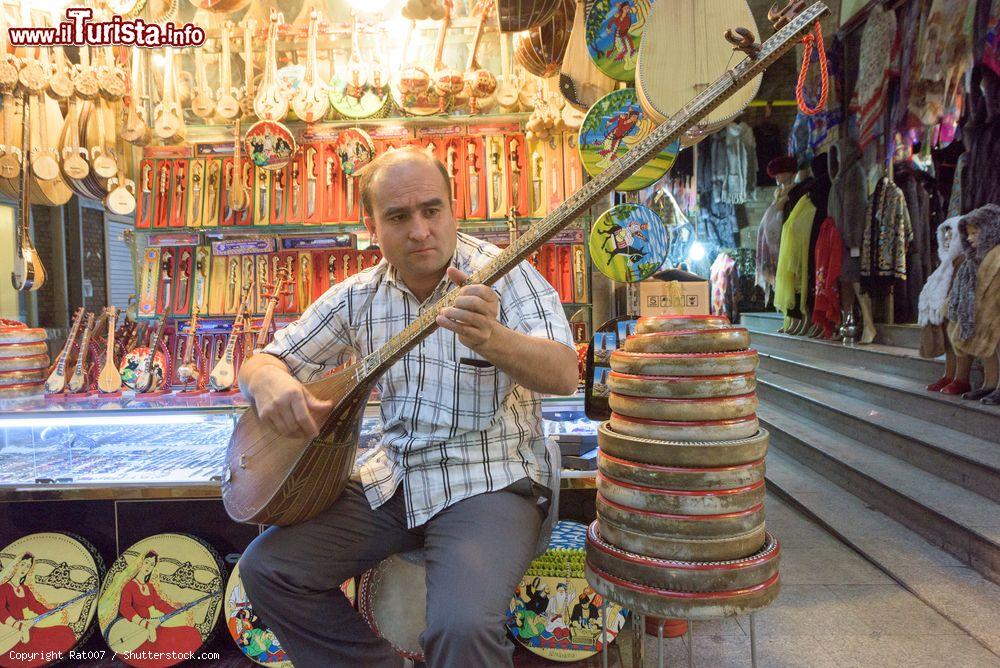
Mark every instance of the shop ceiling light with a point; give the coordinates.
(697, 252)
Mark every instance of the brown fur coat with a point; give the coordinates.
(986, 335)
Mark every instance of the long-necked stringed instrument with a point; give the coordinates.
(223, 374)
(28, 273)
(187, 371)
(56, 381)
(78, 381)
(272, 302)
(110, 379)
(271, 478)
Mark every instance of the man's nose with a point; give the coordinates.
(420, 229)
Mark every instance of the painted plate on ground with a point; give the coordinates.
(555, 613)
(628, 243)
(614, 31)
(173, 582)
(613, 125)
(49, 582)
(250, 634)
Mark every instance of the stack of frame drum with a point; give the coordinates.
(680, 504)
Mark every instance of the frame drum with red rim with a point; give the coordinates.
(719, 340)
(173, 577)
(25, 363)
(16, 332)
(684, 604)
(57, 577)
(9, 350)
(682, 387)
(657, 476)
(677, 536)
(684, 410)
(681, 501)
(652, 432)
(703, 576)
(392, 598)
(669, 323)
(684, 364)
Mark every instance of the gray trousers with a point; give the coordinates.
(476, 552)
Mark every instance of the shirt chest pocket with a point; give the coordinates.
(481, 389)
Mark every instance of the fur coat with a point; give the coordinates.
(974, 306)
(934, 297)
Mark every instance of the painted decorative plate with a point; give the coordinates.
(250, 634)
(134, 360)
(555, 613)
(628, 243)
(269, 144)
(614, 30)
(50, 583)
(173, 582)
(355, 149)
(611, 127)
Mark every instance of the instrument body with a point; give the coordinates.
(78, 381)
(682, 40)
(223, 374)
(110, 379)
(28, 273)
(541, 49)
(271, 478)
(145, 380)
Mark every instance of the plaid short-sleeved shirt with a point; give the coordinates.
(454, 425)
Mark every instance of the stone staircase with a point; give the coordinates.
(909, 478)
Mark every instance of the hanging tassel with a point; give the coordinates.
(813, 40)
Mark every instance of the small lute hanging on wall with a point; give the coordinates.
(28, 273)
(270, 103)
(272, 478)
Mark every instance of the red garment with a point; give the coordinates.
(41, 640)
(180, 639)
(829, 254)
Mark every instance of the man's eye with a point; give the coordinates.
(432, 212)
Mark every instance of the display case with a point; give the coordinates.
(168, 447)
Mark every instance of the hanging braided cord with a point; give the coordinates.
(813, 40)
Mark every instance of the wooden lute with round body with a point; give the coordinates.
(580, 82)
(223, 374)
(226, 104)
(272, 478)
(110, 379)
(236, 194)
(187, 371)
(311, 101)
(270, 103)
(682, 37)
(28, 274)
(168, 117)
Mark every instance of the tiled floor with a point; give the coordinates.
(835, 609)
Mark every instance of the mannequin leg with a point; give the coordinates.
(993, 398)
(868, 332)
(960, 384)
(950, 363)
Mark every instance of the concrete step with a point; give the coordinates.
(889, 390)
(967, 461)
(888, 359)
(901, 336)
(940, 580)
(963, 523)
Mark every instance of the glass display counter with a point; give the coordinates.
(166, 447)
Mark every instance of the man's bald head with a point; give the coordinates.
(372, 174)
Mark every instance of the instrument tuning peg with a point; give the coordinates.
(743, 40)
(779, 18)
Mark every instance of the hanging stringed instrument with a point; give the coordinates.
(518, 15)
(202, 102)
(360, 90)
(223, 374)
(480, 83)
(28, 273)
(110, 379)
(134, 129)
(541, 49)
(188, 370)
(311, 101)
(580, 81)
(168, 116)
(447, 81)
(683, 39)
(56, 381)
(78, 381)
(271, 478)
(236, 192)
(226, 103)
(270, 103)
(248, 93)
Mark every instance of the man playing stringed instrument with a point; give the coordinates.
(463, 469)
